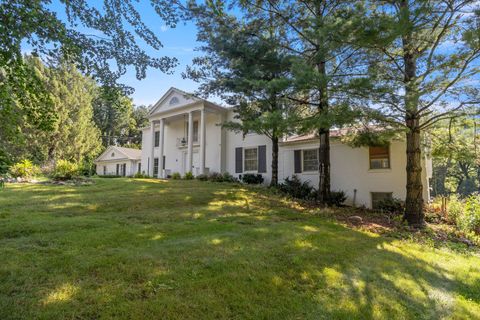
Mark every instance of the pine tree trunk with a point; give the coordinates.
(414, 200)
(324, 166)
(274, 180)
(324, 146)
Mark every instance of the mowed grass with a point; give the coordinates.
(148, 249)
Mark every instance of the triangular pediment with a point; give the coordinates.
(172, 99)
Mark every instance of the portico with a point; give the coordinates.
(178, 135)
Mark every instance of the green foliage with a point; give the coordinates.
(251, 178)
(378, 137)
(202, 177)
(336, 198)
(456, 156)
(297, 189)
(469, 220)
(24, 169)
(391, 205)
(188, 176)
(140, 175)
(176, 176)
(65, 170)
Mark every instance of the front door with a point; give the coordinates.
(195, 164)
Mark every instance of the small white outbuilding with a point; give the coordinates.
(119, 161)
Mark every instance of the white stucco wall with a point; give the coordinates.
(350, 170)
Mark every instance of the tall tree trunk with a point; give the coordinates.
(324, 166)
(274, 180)
(414, 198)
(324, 146)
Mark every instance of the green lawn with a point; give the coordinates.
(147, 249)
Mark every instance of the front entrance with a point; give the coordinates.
(195, 165)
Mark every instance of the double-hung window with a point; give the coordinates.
(251, 159)
(310, 160)
(379, 157)
(157, 138)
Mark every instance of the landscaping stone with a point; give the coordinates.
(355, 219)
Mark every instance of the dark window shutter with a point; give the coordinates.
(163, 163)
(297, 155)
(262, 159)
(238, 160)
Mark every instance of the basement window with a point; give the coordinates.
(378, 197)
(379, 157)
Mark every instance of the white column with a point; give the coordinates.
(160, 157)
(202, 141)
(152, 153)
(190, 143)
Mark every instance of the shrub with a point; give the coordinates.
(227, 177)
(65, 170)
(176, 176)
(251, 178)
(215, 177)
(202, 177)
(337, 198)
(454, 209)
(296, 188)
(188, 176)
(110, 176)
(140, 175)
(470, 219)
(391, 205)
(24, 169)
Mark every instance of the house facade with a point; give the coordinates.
(185, 135)
(119, 161)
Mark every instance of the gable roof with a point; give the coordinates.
(189, 96)
(129, 153)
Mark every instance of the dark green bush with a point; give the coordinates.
(215, 177)
(337, 198)
(139, 175)
(110, 176)
(188, 176)
(227, 177)
(296, 188)
(251, 178)
(176, 176)
(202, 177)
(391, 205)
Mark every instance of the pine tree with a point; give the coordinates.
(424, 56)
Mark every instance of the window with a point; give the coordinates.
(174, 101)
(377, 197)
(155, 167)
(251, 159)
(113, 154)
(117, 171)
(104, 170)
(157, 138)
(379, 157)
(139, 170)
(310, 160)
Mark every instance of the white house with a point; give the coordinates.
(185, 135)
(119, 161)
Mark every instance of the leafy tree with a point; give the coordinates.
(246, 67)
(100, 42)
(140, 117)
(113, 113)
(424, 55)
(456, 157)
(327, 65)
